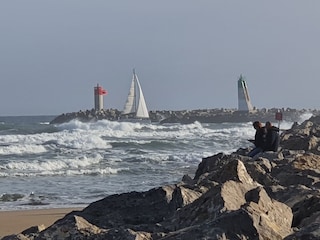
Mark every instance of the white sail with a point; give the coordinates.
(136, 103)
(142, 111)
(129, 106)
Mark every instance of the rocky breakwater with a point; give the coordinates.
(270, 196)
(88, 116)
(231, 115)
(189, 116)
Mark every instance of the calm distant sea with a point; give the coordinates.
(74, 164)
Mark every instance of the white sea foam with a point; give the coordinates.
(34, 143)
(80, 139)
(304, 117)
(106, 157)
(52, 167)
(97, 171)
(20, 149)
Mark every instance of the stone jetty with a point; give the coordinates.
(275, 195)
(189, 116)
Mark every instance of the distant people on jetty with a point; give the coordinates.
(259, 139)
(272, 138)
(266, 138)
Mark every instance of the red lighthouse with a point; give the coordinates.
(98, 97)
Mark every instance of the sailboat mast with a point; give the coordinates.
(135, 90)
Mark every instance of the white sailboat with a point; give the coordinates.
(135, 108)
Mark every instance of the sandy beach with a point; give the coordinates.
(13, 222)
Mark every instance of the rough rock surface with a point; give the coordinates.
(271, 196)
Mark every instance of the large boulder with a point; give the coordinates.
(305, 136)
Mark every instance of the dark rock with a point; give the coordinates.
(33, 230)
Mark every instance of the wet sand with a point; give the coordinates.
(14, 222)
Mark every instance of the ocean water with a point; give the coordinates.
(75, 163)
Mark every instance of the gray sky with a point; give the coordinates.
(187, 54)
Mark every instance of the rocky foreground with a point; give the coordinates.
(270, 196)
(188, 116)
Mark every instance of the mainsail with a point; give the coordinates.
(136, 104)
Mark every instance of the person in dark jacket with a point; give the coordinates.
(259, 139)
(272, 138)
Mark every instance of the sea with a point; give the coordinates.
(74, 164)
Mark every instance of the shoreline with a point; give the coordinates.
(16, 221)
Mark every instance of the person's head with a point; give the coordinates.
(268, 125)
(257, 125)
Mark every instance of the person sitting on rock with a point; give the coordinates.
(272, 138)
(259, 139)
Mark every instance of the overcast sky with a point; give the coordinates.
(187, 54)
